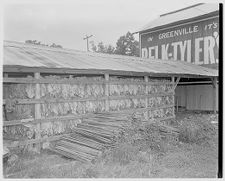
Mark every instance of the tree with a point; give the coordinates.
(110, 49)
(35, 42)
(101, 48)
(127, 45)
(55, 46)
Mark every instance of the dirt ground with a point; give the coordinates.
(182, 160)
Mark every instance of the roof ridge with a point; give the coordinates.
(188, 7)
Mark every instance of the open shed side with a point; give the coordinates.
(47, 91)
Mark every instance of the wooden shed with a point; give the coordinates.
(47, 91)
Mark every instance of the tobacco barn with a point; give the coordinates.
(51, 92)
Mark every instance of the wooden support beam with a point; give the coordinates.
(107, 92)
(186, 97)
(37, 111)
(74, 81)
(173, 81)
(9, 68)
(175, 84)
(177, 102)
(146, 98)
(215, 94)
(196, 82)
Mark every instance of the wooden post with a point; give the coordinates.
(146, 99)
(173, 80)
(37, 111)
(5, 87)
(5, 90)
(186, 97)
(107, 92)
(215, 94)
(5, 75)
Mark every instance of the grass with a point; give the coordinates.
(142, 152)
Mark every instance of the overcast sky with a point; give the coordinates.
(67, 22)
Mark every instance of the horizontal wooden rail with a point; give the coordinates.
(139, 83)
(143, 96)
(55, 100)
(102, 98)
(52, 138)
(62, 118)
(74, 81)
(12, 144)
(50, 81)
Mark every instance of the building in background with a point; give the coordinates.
(191, 35)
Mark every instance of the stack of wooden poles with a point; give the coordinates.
(91, 137)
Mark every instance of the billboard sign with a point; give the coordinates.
(195, 42)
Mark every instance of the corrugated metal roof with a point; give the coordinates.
(27, 55)
(183, 14)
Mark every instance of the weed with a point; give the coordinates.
(196, 130)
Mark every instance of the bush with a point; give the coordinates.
(147, 136)
(196, 130)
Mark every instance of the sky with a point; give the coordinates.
(66, 22)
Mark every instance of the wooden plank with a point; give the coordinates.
(107, 92)
(215, 94)
(14, 68)
(196, 82)
(68, 155)
(140, 96)
(64, 118)
(50, 81)
(11, 144)
(177, 102)
(139, 82)
(37, 113)
(173, 81)
(175, 84)
(83, 141)
(74, 81)
(146, 93)
(56, 100)
(80, 148)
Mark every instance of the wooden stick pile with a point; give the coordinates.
(91, 137)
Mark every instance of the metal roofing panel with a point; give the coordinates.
(186, 13)
(27, 55)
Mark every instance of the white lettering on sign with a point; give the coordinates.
(151, 55)
(189, 51)
(182, 49)
(198, 50)
(144, 52)
(194, 41)
(212, 25)
(179, 32)
(165, 51)
(203, 47)
(209, 43)
(175, 45)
